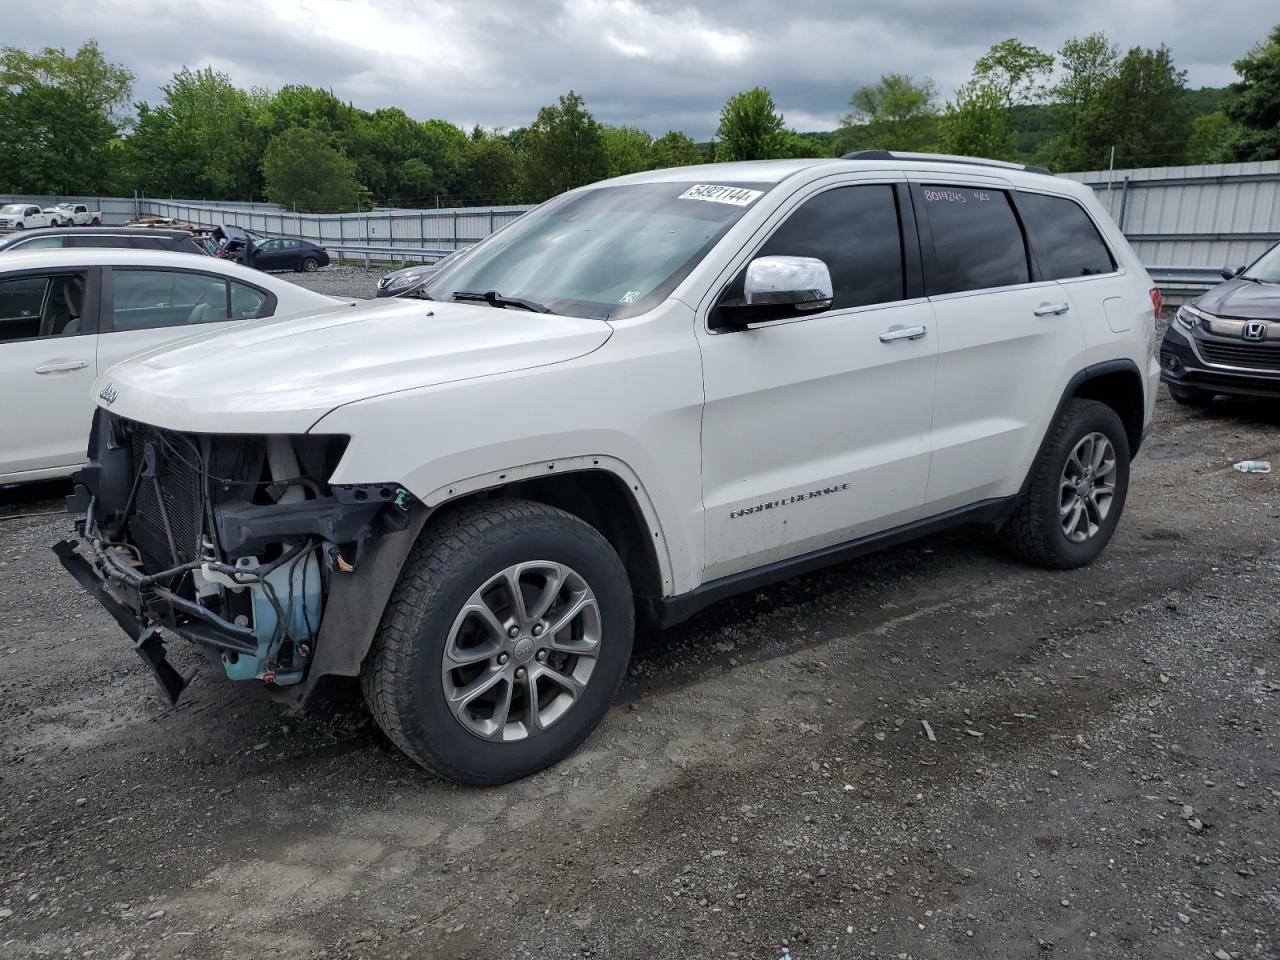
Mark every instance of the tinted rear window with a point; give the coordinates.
(976, 239)
(1064, 240)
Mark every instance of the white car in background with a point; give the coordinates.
(76, 215)
(26, 216)
(67, 315)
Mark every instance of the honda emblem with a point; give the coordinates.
(1254, 330)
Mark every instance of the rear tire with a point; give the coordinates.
(1190, 396)
(310, 265)
(95, 222)
(437, 645)
(1076, 492)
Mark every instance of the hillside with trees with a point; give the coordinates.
(69, 126)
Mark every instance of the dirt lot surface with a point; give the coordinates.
(1103, 778)
(336, 281)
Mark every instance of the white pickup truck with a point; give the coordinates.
(77, 215)
(25, 216)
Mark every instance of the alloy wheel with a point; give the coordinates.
(521, 651)
(1087, 487)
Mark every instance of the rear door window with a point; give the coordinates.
(1064, 241)
(977, 243)
(147, 299)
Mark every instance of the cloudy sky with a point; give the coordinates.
(656, 64)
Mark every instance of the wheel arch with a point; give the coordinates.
(1118, 384)
(601, 491)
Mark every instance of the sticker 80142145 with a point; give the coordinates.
(718, 193)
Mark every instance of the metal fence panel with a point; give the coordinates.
(1209, 215)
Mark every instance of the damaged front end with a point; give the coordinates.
(236, 543)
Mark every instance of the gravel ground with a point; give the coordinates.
(340, 281)
(1102, 779)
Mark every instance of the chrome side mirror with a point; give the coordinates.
(801, 284)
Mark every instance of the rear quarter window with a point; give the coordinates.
(1065, 242)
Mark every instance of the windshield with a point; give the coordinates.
(1266, 268)
(12, 208)
(606, 253)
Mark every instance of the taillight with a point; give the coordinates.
(1156, 302)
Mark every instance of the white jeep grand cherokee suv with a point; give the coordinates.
(641, 397)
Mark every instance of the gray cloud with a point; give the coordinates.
(656, 64)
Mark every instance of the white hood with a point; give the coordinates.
(282, 374)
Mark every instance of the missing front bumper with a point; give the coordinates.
(147, 640)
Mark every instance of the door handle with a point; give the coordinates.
(1051, 309)
(61, 366)
(903, 333)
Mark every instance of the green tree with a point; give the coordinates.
(627, 150)
(1087, 64)
(897, 112)
(751, 128)
(296, 105)
(101, 86)
(1014, 71)
(1255, 109)
(674, 149)
(51, 142)
(304, 171)
(976, 122)
(563, 148)
(204, 140)
(1140, 111)
(1211, 134)
(489, 168)
(58, 114)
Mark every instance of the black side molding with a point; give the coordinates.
(664, 612)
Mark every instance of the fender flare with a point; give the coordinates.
(1081, 377)
(356, 601)
(579, 464)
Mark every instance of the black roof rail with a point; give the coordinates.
(944, 158)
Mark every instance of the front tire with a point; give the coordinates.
(503, 643)
(1077, 489)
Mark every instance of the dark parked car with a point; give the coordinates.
(409, 281)
(1228, 340)
(284, 253)
(138, 238)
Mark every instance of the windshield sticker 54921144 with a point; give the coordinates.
(718, 193)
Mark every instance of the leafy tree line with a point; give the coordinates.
(68, 125)
(1069, 110)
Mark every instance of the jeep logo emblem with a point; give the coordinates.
(1254, 330)
(108, 394)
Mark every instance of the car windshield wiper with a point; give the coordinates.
(495, 299)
